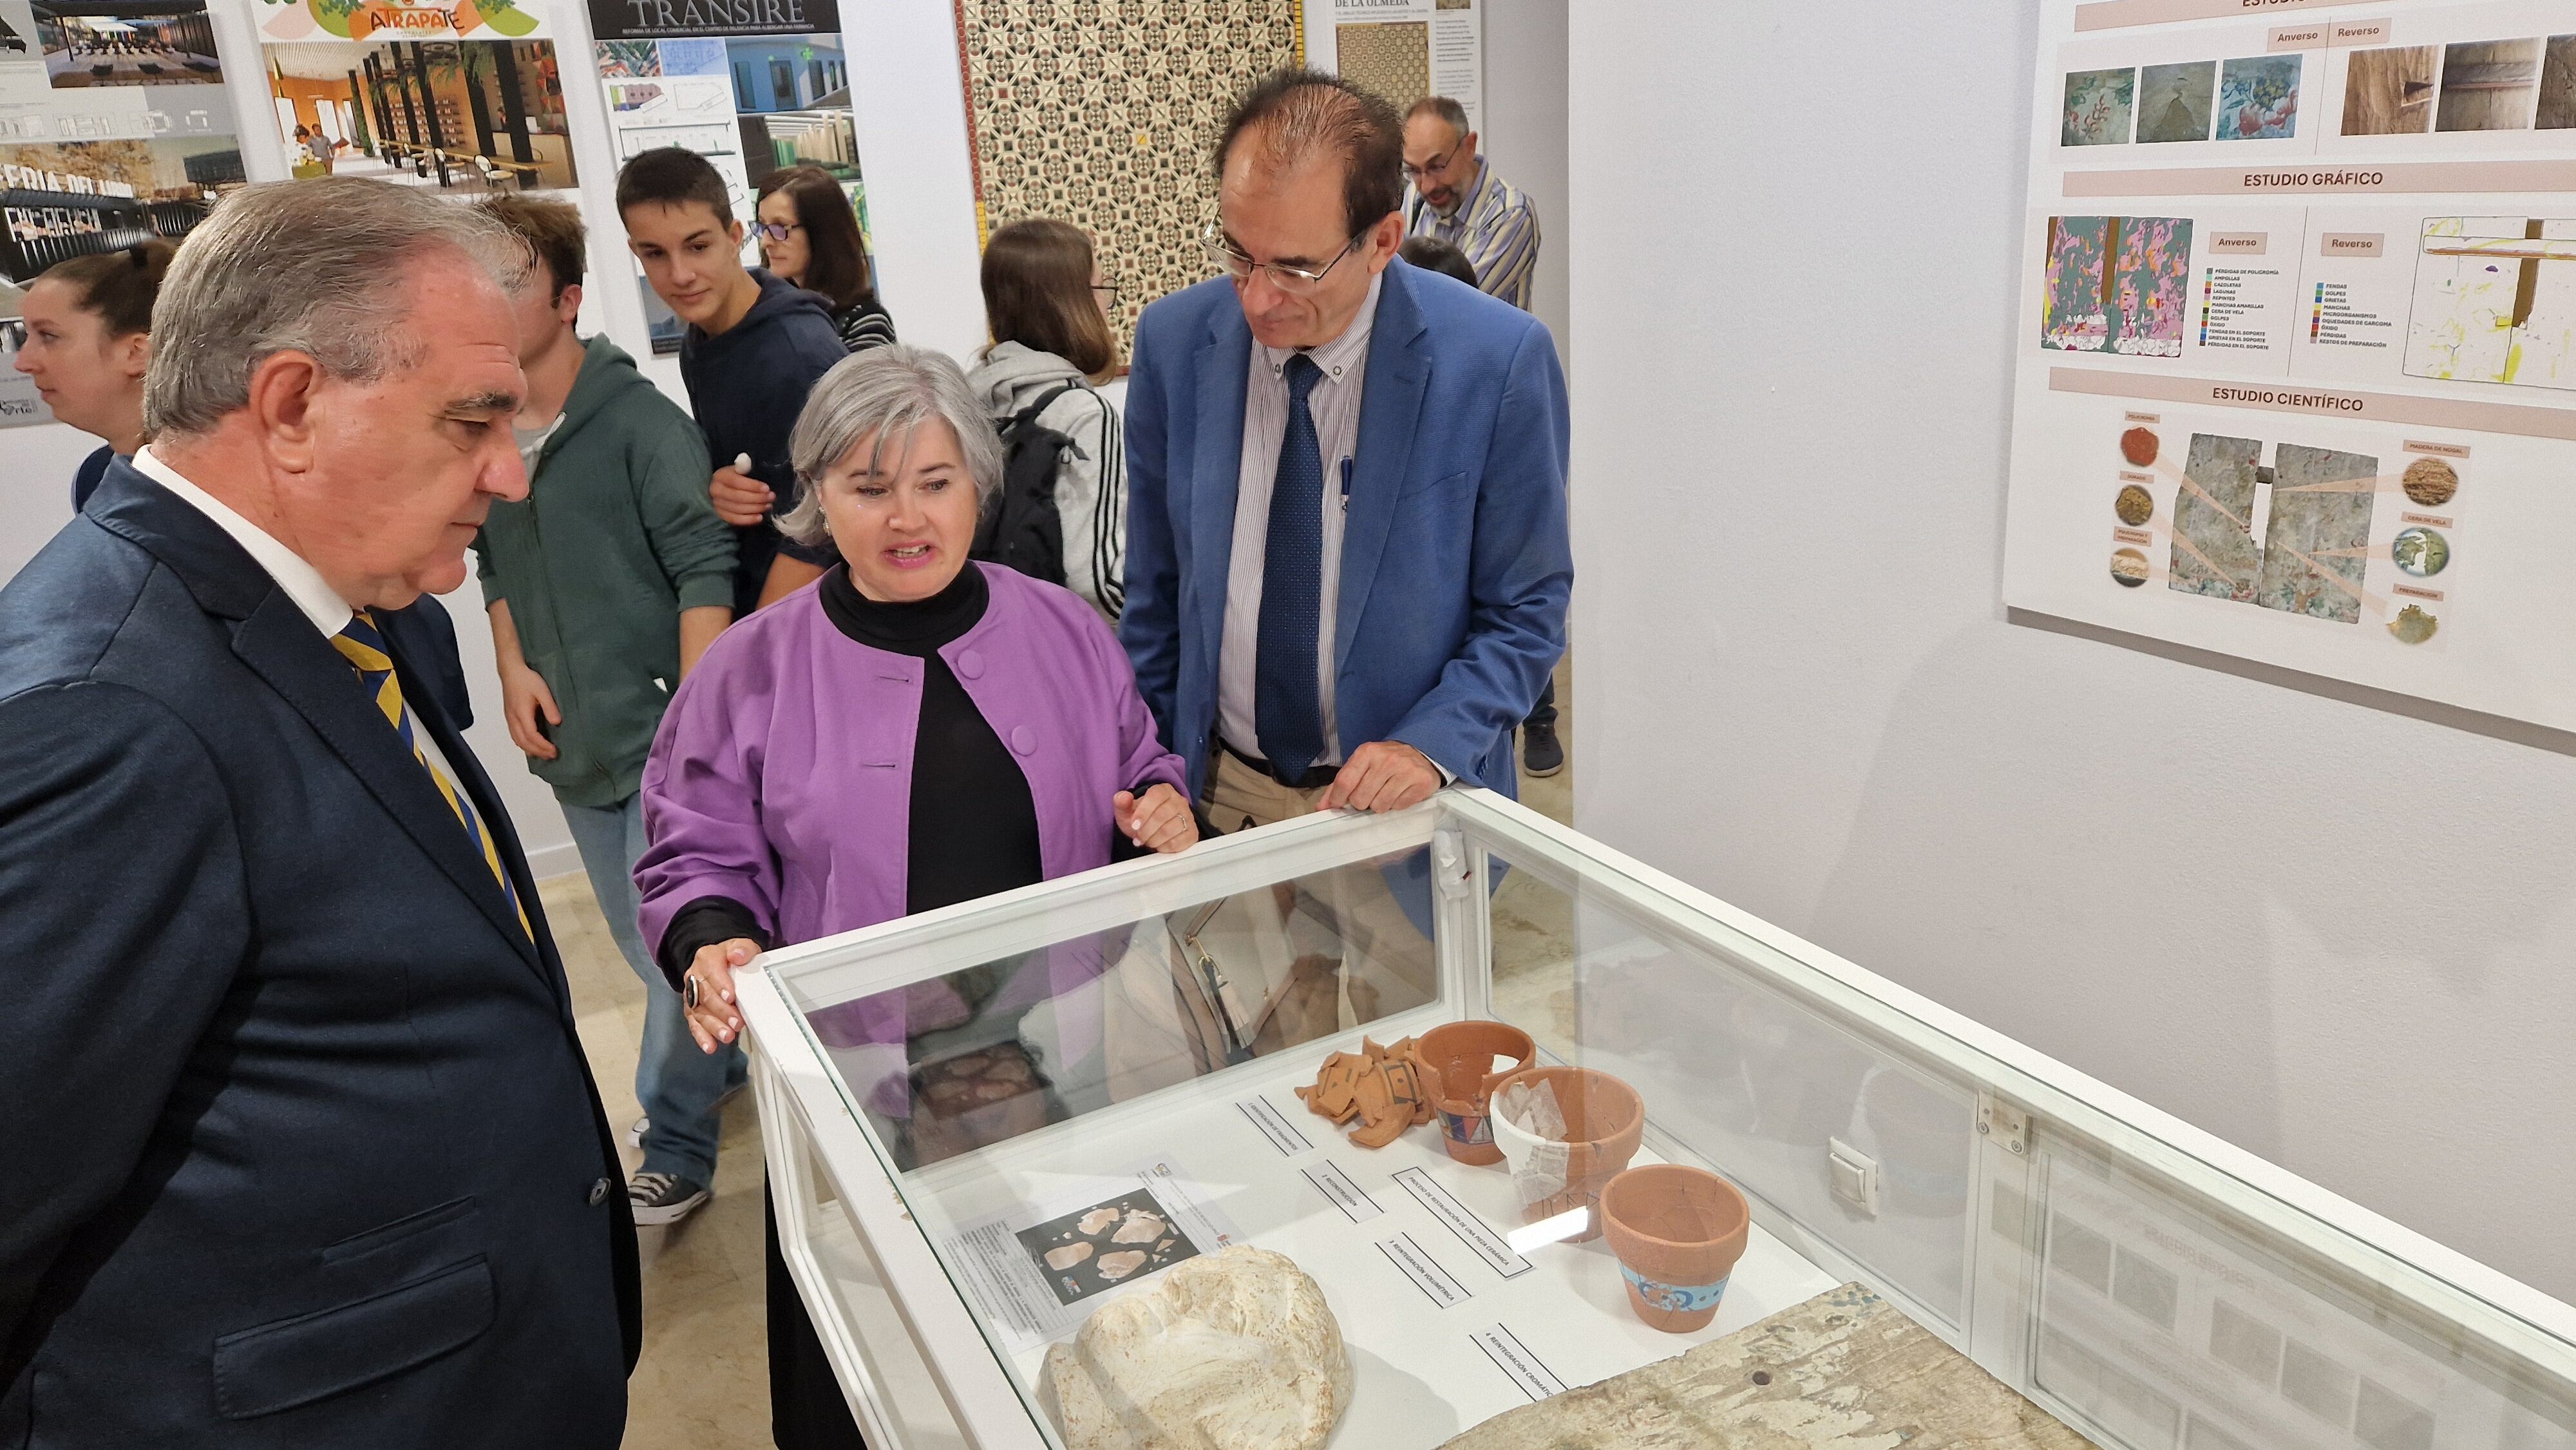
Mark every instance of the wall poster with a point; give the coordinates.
(1110, 126)
(466, 99)
(114, 128)
(2297, 354)
(1408, 49)
(752, 85)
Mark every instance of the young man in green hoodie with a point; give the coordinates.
(605, 585)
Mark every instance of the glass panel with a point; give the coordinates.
(1769, 1092)
(985, 1053)
(2157, 1319)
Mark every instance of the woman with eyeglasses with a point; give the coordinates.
(809, 236)
(1046, 304)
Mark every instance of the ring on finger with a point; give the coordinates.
(689, 990)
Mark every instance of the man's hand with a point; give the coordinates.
(524, 700)
(713, 1020)
(1161, 822)
(740, 499)
(1382, 776)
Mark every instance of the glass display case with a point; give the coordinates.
(990, 1126)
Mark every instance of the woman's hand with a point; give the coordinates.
(713, 1018)
(1161, 822)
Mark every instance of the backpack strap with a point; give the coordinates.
(1046, 400)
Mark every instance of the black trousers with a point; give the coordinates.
(807, 1410)
(1542, 716)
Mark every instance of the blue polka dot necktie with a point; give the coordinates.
(364, 648)
(1286, 711)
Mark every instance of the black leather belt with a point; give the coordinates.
(1315, 778)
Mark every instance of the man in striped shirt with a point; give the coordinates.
(1458, 198)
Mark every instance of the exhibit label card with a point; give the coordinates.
(1035, 1272)
(2297, 353)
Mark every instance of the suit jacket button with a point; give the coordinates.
(598, 1192)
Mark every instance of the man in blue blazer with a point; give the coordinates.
(301, 1145)
(1347, 562)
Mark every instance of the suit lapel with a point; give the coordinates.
(1390, 417)
(280, 644)
(1216, 468)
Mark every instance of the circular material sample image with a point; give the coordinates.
(2413, 625)
(2129, 567)
(2139, 446)
(2421, 552)
(2134, 505)
(2431, 482)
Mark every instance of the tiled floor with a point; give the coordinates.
(703, 1383)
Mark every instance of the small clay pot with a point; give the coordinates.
(1459, 1057)
(1678, 1232)
(1604, 1122)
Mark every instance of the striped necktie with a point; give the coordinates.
(365, 648)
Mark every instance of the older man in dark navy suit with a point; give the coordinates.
(301, 1147)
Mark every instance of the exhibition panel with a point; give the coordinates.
(2296, 352)
(1394, 1128)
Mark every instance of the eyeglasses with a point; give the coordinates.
(1284, 276)
(775, 231)
(1108, 289)
(1432, 167)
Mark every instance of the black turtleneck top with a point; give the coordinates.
(974, 828)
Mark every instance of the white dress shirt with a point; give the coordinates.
(302, 582)
(1335, 404)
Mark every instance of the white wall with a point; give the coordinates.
(2339, 935)
(1524, 138)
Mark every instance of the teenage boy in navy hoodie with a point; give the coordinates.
(754, 349)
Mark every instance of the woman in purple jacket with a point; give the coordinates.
(911, 731)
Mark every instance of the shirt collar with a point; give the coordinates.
(1338, 356)
(302, 582)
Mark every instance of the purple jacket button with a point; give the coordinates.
(970, 663)
(1024, 740)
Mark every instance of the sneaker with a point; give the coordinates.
(635, 1134)
(1542, 754)
(659, 1198)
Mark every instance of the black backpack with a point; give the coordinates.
(1023, 530)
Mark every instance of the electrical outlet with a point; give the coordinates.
(1854, 1175)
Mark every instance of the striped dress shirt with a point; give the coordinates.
(1495, 225)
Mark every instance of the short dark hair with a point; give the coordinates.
(1295, 114)
(552, 229)
(1443, 107)
(836, 258)
(1037, 293)
(1434, 255)
(673, 176)
(119, 286)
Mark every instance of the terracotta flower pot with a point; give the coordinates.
(1459, 1058)
(1604, 1121)
(1678, 1232)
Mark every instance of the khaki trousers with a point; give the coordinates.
(1333, 950)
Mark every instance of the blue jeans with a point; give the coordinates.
(676, 1083)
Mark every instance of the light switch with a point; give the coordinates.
(1854, 1175)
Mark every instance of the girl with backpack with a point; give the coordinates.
(1062, 513)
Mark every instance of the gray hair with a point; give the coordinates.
(316, 267)
(1443, 107)
(885, 393)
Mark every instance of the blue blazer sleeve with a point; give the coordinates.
(1150, 627)
(1521, 573)
(106, 798)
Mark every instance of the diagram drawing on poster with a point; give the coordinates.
(2495, 301)
(2116, 284)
